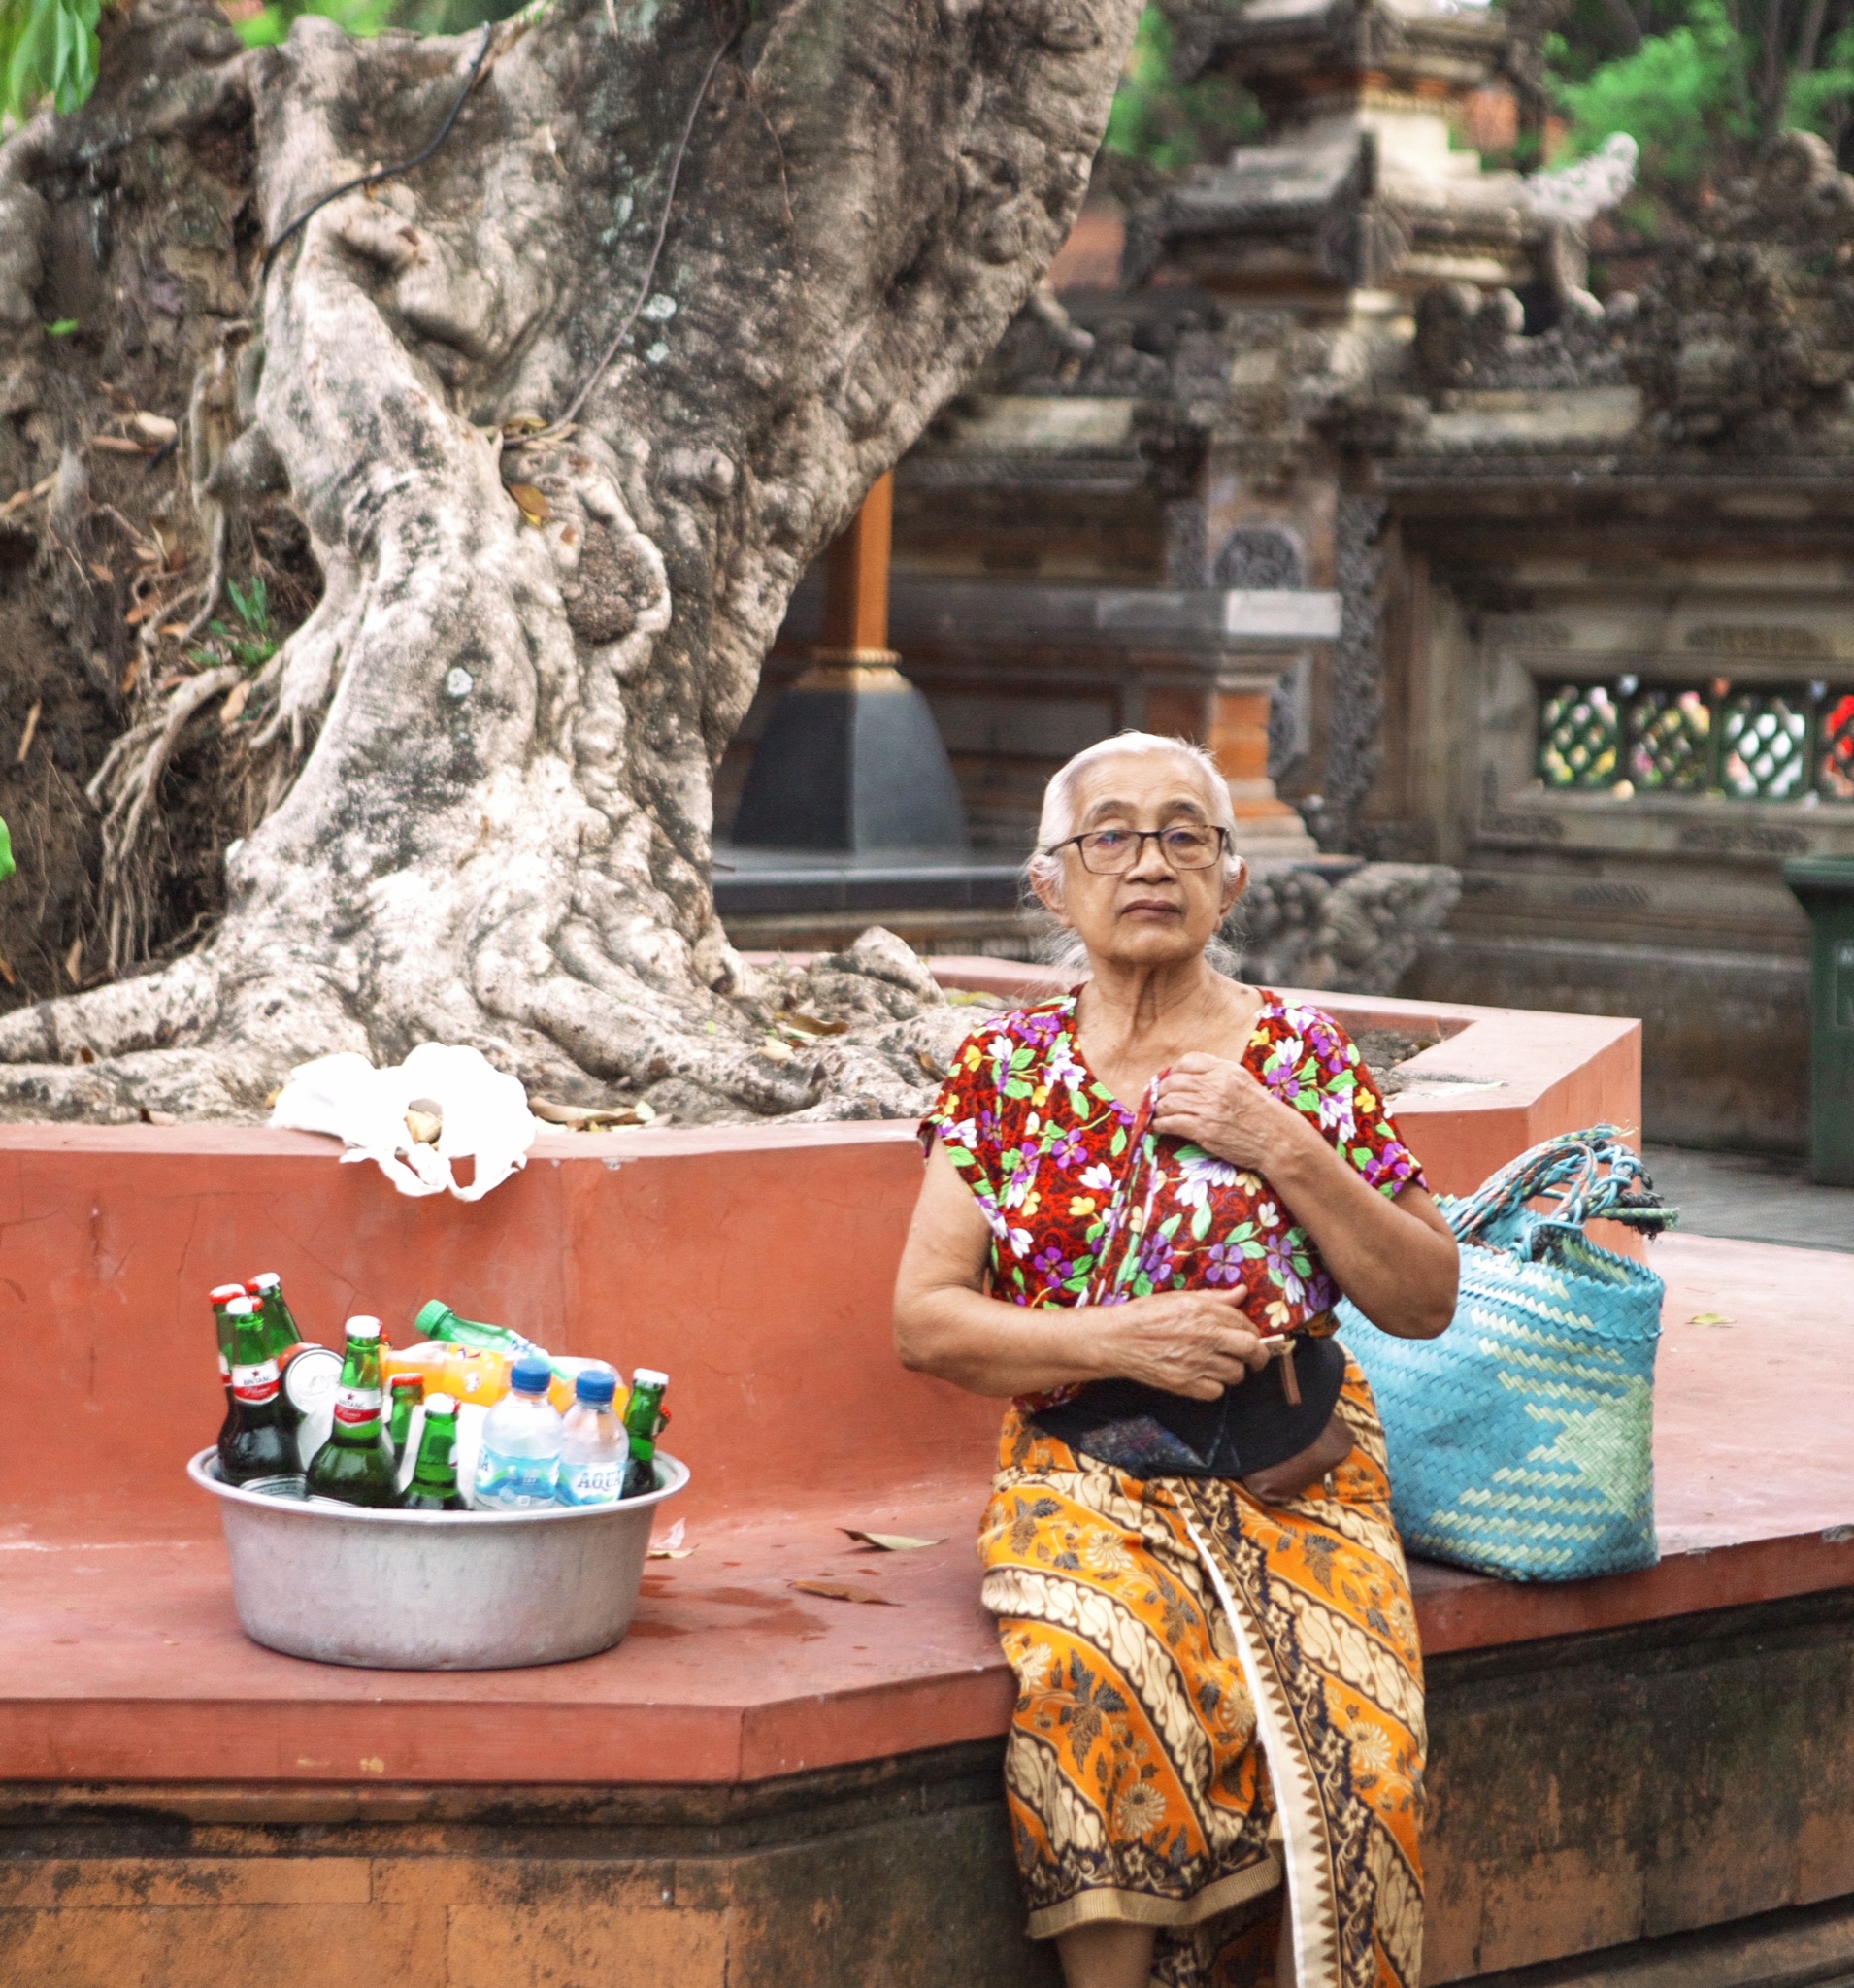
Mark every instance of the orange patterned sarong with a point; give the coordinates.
(1213, 1694)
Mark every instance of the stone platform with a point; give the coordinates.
(763, 1785)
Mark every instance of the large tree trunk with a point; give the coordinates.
(476, 778)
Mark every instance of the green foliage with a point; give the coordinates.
(254, 643)
(362, 18)
(63, 327)
(6, 852)
(1822, 100)
(47, 49)
(1681, 96)
(1169, 124)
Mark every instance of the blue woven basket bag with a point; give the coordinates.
(1521, 1440)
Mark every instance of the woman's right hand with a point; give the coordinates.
(1189, 1343)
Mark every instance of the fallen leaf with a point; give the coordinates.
(234, 702)
(890, 1542)
(156, 430)
(523, 424)
(529, 502)
(1710, 1318)
(21, 498)
(72, 961)
(141, 611)
(131, 674)
(843, 1591)
(27, 736)
(591, 1117)
(119, 445)
(775, 1051)
(931, 1065)
(173, 630)
(98, 571)
(802, 1024)
(83, 1055)
(671, 1547)
(7, 974)
(176, 561)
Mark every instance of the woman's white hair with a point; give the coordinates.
(1063, 948)
(1059, 797)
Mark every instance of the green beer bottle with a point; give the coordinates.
(407, 1391)
(437, 1322)
(434, 1476)
(219, 1297)
(259, 1449)
(267, 1290)
(642, 1418)
(356, 1465)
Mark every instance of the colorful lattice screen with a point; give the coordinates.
(1744, 742)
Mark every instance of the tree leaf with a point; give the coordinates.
(890, 1542)
(843, 1591)
(529, 502)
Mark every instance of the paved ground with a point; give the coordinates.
(1752, 1197)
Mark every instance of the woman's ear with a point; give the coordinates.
(1048, 891)
(1235, 885)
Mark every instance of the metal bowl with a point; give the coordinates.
(434, 1590)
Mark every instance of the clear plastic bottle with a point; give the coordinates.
(594, 1446)
(519, 1462)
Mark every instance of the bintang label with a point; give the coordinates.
(255, 1384)
(354, 1406)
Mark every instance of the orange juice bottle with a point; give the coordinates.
(473, 1376)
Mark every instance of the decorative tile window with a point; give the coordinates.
(1743, 742)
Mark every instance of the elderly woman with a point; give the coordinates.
(1137, 1197)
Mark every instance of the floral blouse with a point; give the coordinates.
(1077, 1218)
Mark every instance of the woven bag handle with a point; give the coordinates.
(1565, 1169)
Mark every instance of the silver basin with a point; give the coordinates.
(434, 1590)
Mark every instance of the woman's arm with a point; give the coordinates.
(1395, 1260)
(1192, 1342)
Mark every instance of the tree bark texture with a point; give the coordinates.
(475, 781)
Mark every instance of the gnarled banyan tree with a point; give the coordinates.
(558, 418)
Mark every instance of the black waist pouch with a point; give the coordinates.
(1148, 1433)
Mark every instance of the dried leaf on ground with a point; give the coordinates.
(234, 704)
(1710, 1318)
(156, 430)
(7, 974)
(795, 1021)
(843, 1591)
(775, 1051)
(530, 502)
(21, 498)
(119, 445)
(27, 736)
(592, 1117)
(671, 1547)
(890, 1542)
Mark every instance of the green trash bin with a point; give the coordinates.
(1825, 884)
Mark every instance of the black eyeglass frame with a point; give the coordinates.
(1158, 835)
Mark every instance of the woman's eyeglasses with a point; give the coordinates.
(1112, 852)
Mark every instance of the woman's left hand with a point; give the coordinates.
(1218, 1106)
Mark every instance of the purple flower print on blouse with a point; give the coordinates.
(1279, 1248)
(1155, 1257)
(1050, 1264)
(1223, 1264)
(1070, 1151)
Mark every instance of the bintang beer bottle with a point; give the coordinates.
(407, 1391)
(434, 1476)
(642, 1418)
(266, 1290)
(356, 1462)
(259, 1451)
(219, 1298)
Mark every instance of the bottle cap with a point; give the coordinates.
(224, 1294)
(648, 1376)
(530, 1374)
(441, 1405)
(407, 1380)
(363, 1327)
(595, 1386)
(264, 1280)
(240, 1307)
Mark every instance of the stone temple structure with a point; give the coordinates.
(1329, 457)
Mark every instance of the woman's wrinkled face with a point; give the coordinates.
(1150, 914)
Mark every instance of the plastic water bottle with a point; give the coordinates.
(520, 1460)
(595, 1446)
